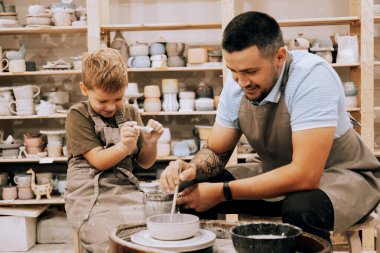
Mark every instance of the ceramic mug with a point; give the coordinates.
(23, 180)
(35, 9)
(4, 108)
(174, 48)
(24, 107)
(44, 177)
(157, 48)
(54, 151)
(26, 92)
(25, 193)
(141, 61)
(3, 61)
(9, 192)
(61, 18)
(17, 66)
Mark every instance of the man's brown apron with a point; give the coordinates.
(96, 200)
(351, 178)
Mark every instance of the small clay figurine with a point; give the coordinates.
(40, 189)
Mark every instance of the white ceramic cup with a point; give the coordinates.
(35, 9)
(24, 107)
(17, 65)
(22, 180)
(4, 64)
(61, 18)
(4, 108)
(26, 92)
(132, 88)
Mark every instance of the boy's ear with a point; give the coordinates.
(83, 89)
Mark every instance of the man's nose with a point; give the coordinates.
(243, 81)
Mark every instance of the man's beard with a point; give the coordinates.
(264, 94)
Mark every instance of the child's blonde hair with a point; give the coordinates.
(104, 69)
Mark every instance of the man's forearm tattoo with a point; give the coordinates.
(208, 163)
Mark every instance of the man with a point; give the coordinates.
(290, 106)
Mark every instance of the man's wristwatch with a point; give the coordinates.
(227, 191)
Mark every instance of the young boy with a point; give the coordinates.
(104, 144)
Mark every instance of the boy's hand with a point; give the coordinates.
(129, 136)
(155, 134)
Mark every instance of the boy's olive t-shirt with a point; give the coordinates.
(80, 128)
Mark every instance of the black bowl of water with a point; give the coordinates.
(265, 237)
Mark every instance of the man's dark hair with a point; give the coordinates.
(253, 29)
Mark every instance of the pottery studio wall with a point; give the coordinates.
(377, 81)
(43, 48)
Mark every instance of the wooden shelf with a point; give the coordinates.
(377, 108)
(158, 27)
(42, 30)
(30, 160)
(175, 69)
(339, 65)
(377, 152)
(376, 63)
(319, 21)
(178, 113)
(54, 116)
(245, 156)
(63, 115)
(44, 200)
(42, 73)
(356, 109)
(376, 19)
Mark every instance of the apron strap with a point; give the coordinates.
(125, 175)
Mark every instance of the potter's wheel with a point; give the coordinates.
(203, 239)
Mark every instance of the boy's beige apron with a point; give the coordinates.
(348, 179)
(96, 200)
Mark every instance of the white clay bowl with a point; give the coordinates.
(182, 226)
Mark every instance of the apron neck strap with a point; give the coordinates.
(119, 116)
(285, 77)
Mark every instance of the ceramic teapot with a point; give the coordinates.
(45, 108)
(16, 55)
(299, 43)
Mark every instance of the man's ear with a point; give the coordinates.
(281, 54)
(83, 89)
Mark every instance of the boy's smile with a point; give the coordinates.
(104, 104)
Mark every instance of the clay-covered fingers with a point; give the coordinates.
(170, 176)
(157, 126)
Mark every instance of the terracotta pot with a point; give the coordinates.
(33, 140)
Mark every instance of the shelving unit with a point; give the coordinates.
(44, 30)
(55, 200)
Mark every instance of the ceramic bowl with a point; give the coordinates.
(265, 237)
(187, 95)
(181, 227)
(152, 105)
(152, 91)
(170, 86)
(204, 104)
(38, 20)
(163, 149)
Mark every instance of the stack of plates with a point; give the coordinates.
(42, 19)
(9, 19)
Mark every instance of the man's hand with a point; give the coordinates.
(201, 197)
(176, 172)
